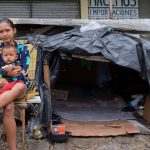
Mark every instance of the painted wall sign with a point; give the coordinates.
(122, 9)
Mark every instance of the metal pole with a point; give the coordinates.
(110, 9)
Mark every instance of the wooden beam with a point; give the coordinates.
(124, 24)
(47, 75)
(92, 58)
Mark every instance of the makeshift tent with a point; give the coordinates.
(119, 48)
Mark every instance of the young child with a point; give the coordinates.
(9, 57)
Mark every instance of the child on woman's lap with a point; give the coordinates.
(9, 57)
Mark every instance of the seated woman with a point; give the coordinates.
(7, 33)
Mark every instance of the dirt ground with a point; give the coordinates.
(127, 142)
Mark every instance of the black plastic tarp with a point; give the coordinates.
(118, 47)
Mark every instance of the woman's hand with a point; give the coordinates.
(15, 71)
(3, 81)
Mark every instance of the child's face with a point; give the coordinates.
(9, 55)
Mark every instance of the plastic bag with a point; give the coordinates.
(92, 25)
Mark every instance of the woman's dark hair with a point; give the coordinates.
(8, 21)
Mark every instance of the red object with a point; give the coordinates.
(58, 129)
(9, 86)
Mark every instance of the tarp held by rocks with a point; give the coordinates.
(120, 48)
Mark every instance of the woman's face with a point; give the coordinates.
(7, 33)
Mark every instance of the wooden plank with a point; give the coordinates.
(21, 110)
(92, 58)
(109, 128)
(47, 75)
(123, 24)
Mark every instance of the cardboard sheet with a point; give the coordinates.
(108, 128)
